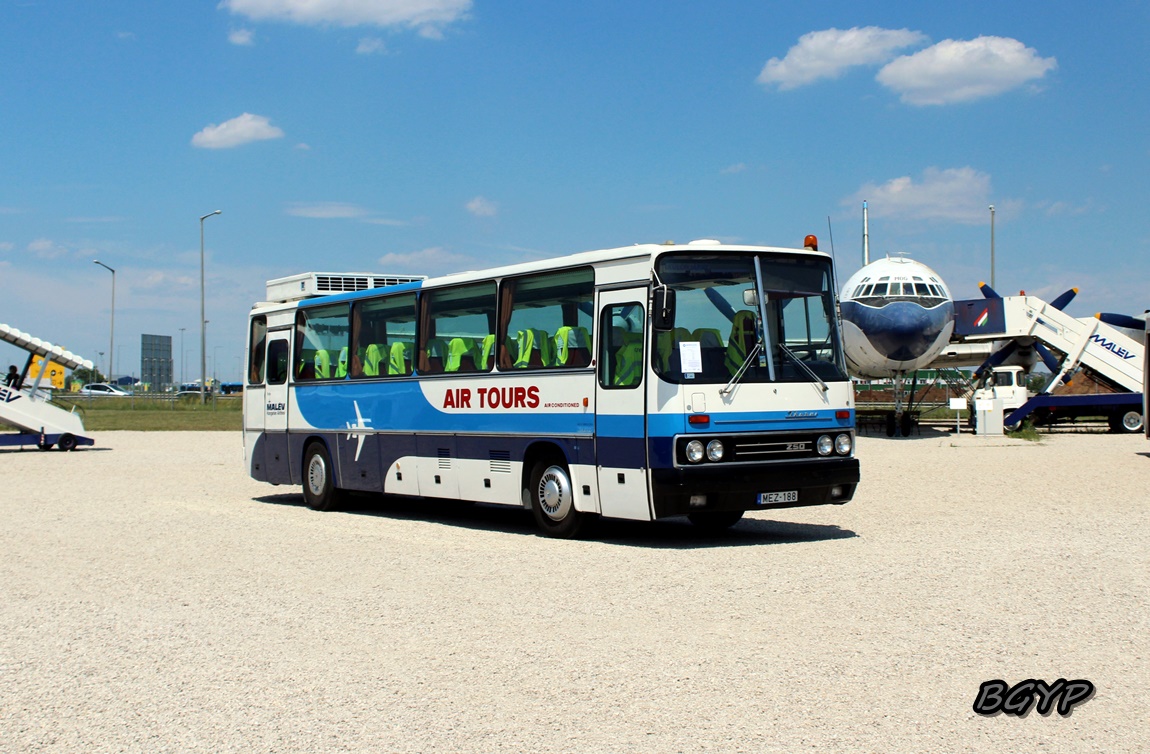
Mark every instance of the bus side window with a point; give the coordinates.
(460, 314)
(547, 320)
(621, 346)
(257, 347)
(383, 330)
(321, 335)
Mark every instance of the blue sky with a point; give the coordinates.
(428, 136)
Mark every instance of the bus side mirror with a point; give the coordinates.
(750, 298)
(663, 308)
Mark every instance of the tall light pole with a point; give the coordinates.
(112, 329)
(992, 246)
(203, 318)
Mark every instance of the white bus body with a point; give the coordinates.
(554, 386)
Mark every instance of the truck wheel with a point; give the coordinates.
(66, 442)
(1127, 422)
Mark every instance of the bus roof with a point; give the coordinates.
(623, 254)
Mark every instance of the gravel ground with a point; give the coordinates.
(156, 599)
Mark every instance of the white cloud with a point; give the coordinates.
(328, 211)
(961, 71)
(238, 131)
(481, 207)
(427, 15)
(371, 46)
(6, 246)
(242, 37)
(42, 248)
(738, 167)
(959, 195)
(339, 211)
(434, 260)
(829, 53)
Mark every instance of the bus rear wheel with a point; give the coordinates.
(552, 499)
(319, 490)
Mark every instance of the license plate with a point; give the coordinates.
(773, 498)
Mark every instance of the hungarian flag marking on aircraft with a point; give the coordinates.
(982, 318)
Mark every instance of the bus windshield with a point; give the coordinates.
(718, 320)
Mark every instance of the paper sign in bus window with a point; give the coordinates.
(690, 357)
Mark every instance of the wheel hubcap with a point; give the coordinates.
(555, 493)
(1133, 421)
(316, 476)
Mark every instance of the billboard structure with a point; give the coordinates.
(156, 361)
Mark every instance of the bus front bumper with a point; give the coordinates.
(718, 487)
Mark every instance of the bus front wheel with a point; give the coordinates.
(319, 490)
(552, 499)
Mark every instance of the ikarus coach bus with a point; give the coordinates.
(700, 380)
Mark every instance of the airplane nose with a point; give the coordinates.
(904, 331)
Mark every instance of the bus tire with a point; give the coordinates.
(319, 490)
(552, 499)
(66, 442)
(713, 522)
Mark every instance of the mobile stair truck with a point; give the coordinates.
(1065, 344)
(27, 407)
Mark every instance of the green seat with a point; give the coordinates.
(628, 365)
(397, 359)
(341, 364)
(485, 349)
(371, 358)
(460, 355)
(322, 364)
(742, 340)
(535, 349)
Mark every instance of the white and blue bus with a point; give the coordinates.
(644, 382)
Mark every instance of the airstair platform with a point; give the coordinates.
(28, 408)
(1086, 342)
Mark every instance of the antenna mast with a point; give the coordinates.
(866, 237)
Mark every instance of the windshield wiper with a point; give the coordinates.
(726, 390)
(804, 367)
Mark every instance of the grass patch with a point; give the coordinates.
(1025, 431)
(156, 414)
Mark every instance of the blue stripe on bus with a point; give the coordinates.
(402, 407)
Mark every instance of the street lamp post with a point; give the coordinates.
(112, 329)
(183, 356)
(992, 246)
(203, 318)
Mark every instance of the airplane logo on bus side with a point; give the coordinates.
(360, 423)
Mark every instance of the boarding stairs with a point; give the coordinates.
(28, 408)
(1088, 342)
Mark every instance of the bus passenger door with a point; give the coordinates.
(620, 407)
(276, 409)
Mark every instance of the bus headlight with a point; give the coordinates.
(825, 445)
(694, 451)
(843, 445)
(714, 450)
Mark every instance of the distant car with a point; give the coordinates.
(99, 388)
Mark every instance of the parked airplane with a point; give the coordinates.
(898, 316)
